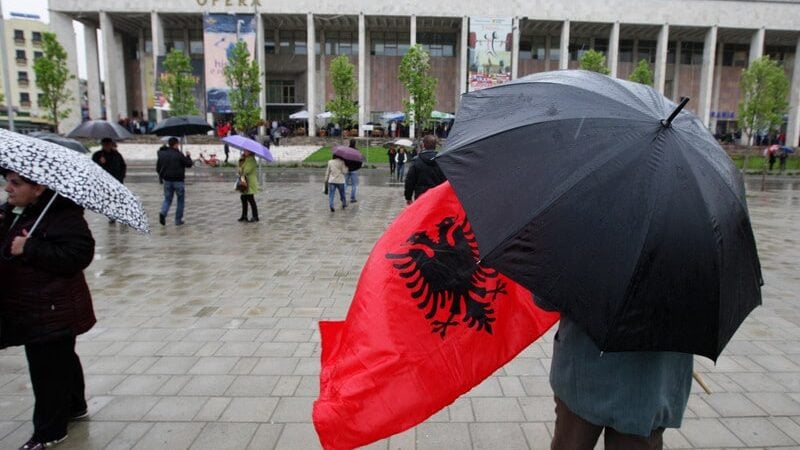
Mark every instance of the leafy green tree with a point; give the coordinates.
(52, 76)
(594, 61)
(177, 83)
(421, 87)
(642, 74)
(344, 88)
(244, 80)
(764, 97)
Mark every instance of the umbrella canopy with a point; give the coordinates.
(393, 115)
(324, 115)
(787, 149)
(73, 176)
(245, 143)
(404, 142)
(182, 126)
(348, 153)
(99, 129)
(71, 144)
(438, 115)
(636, 227)
(299, 115)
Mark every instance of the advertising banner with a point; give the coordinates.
(159, 100)
(489, 52)
(220, 33)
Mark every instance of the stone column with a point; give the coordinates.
(717, 82)
(311, 68)
(660, 75)
(563, 61)
(159, 49)
(118, 72)
(412, 123)
(93, 72)
(793, 126)
(362, 73)
(110, 83)
(515, 49)
(548, 41)
(707, 76)
(676, 71)
(463, 47)
(61, 24)
(757, 45)
(142, 85)
(613, 50)
(323, 72)
(260, 58)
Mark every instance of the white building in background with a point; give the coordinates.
(696, 48)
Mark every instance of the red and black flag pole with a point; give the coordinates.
(427, 323)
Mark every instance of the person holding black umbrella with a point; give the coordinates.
(424, 172)
(171, 167)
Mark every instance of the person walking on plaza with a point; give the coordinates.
(400, 159)
(171, 167)
(247, 169)
(782, 160)
(334, 177)
(424, 173)
(351, 177)
(391, 153)
(110, 159)
(45, 301)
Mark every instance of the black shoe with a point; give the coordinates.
(344, 205)
(254, 219)
(352, 200)
(242, 219)
(162, 219)
(180, 223)
(37, 445)
(332, 210)
(80, 415)
(111, 221)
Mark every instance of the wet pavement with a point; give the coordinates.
(207, 333)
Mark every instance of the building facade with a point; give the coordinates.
(695, 48)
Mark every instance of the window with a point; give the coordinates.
(601, 45)
(779, 53)
(735, 55)
(293, 42)
(647, 51)
(626, 50)
(37, 55)
(19, 36)
(438, 44)
(577, 47)
(390, 43)
(341, 43)
(692, 53)
(21, 58)
(24, 99)
(671, 50)
(280, 91)
(524, 49)
(22, 78)
(36, 37)
(174, 38)
(269, 46)
(196, 42)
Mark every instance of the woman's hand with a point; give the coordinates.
(18, 244)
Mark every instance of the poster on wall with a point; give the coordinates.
(489, 52)
(220, 33)
(159, 100)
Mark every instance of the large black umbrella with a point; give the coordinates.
(182, 126)
(636, 227)
(71, 144)
(99, 129)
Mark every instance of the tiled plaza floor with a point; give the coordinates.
(207, 333)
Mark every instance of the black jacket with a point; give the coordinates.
(423, 174)
(113, 163)
(172, 164)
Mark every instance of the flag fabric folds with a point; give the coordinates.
(427, 323)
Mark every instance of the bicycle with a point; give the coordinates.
(211, 161)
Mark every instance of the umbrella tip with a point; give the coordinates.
(666, 123)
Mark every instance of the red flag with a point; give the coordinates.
(427, 323)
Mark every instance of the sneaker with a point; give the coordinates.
(36, 445)
(162, 219)
(80, 415)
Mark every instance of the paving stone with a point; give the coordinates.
(775, 404)
(249, 409)
(252, 386)
(170, 435)
(490, 436)
(175, 409)
(291, 409)
(536, 435)
(708, 433)
(298, 436)
(733, 405)
(223, 436)
(436, 436)
(757, 431)
(497, 409)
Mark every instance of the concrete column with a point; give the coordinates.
(515, 49)
(463, 48)
(613, 50)
(757, 45)
(676, 78)
(118, 71)
(159, 49)
(323, 81)
(61, 25)
(262, 94)
(706, 75)
(362, 74)
(93, 72)
(142, 85)
(111, 83)
(311, 68)
(717, 82)
(660, 75)
(548, 41)
(563, 62)
(413, 30)
(793, 126)
(412, 123)
(367, 76)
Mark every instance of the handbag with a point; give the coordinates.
(241, 184)
(325, 189)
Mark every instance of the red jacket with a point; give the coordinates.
(43, 292)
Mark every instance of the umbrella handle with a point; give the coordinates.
(701, 382)
(39, 219)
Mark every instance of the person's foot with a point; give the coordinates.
(80, 415)
(180, 223)
(332, 210)
(352, 200)
(111, 221)
(242, 219)
(254, 219)
(39, 445)
(162, 219)
(344, 205)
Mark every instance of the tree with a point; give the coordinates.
(641, 74)
(244, 80)
(764, 97)
(177, 83)
(421, 87)
(594, 61)
(344, 87)
(52, 75)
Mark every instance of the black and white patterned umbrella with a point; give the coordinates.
(71, 175)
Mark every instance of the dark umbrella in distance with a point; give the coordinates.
(611, 206)
(182, 126)
(99, 129)
(352, 157)
(71, 144)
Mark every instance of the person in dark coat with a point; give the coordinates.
(110, 159)
(171, 167)
(45, 301)
(424, 172)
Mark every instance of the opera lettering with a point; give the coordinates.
(228, 2)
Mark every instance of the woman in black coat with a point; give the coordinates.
(45, 301)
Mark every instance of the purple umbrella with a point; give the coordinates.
(348, 153)
(244, 143)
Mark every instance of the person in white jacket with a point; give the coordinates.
(334, 179)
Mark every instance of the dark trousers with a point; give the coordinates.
(58, 386)
(249, 199)
(574, 433)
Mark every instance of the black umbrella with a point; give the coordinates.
(99, 129)
(584, 189)
(182, 126)
(71, 144)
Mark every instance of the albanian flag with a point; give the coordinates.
(427, 324)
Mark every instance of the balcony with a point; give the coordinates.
(19, 40)
(23, 82)
(22, 61)
(25, 104)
